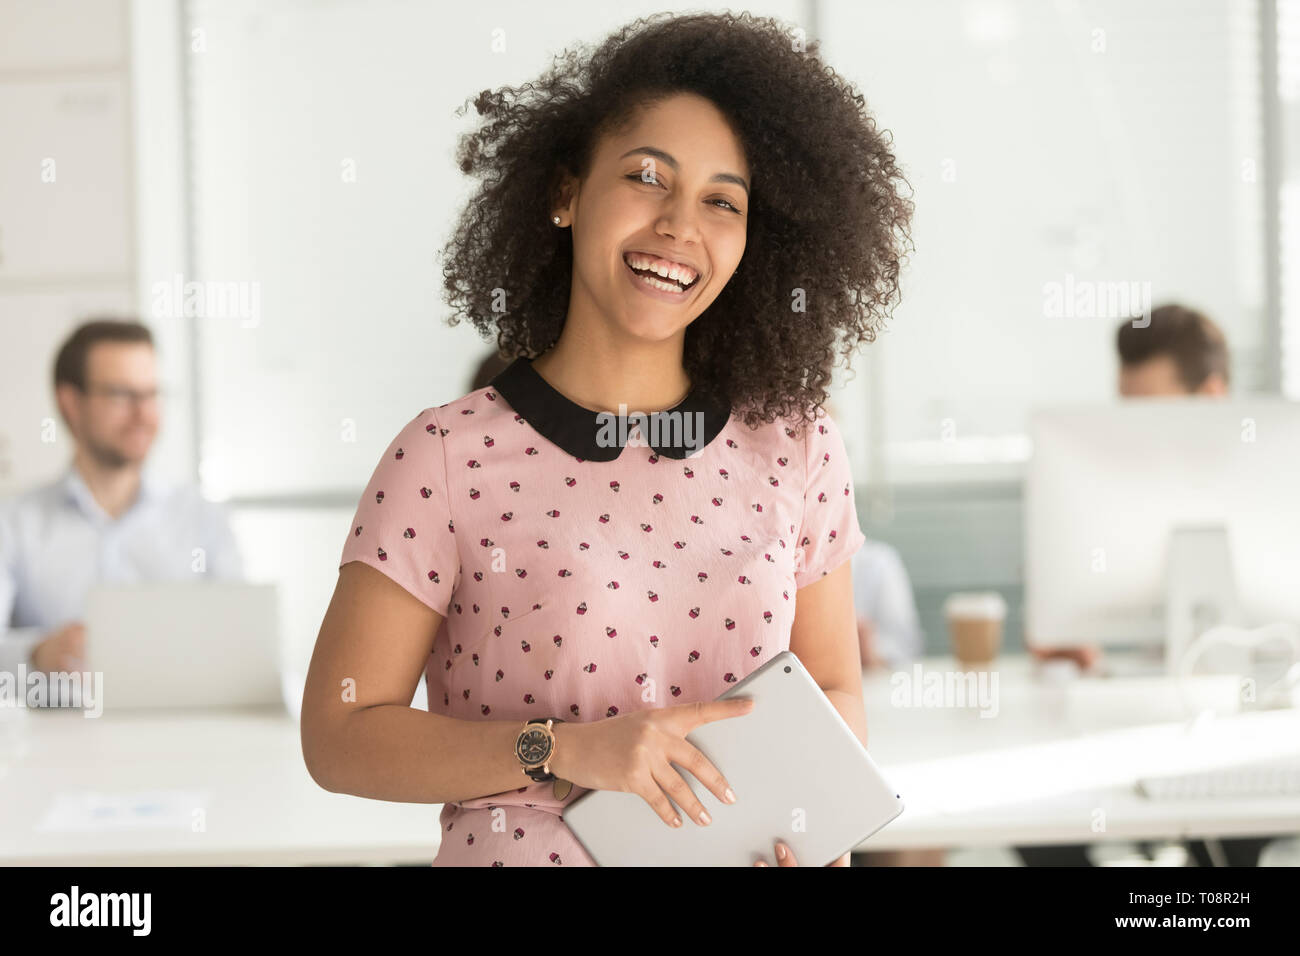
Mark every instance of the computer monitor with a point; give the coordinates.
(1149, 518)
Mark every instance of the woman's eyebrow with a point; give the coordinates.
(674, 166)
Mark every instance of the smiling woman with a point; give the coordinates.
(577, 601)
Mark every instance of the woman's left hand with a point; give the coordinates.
(785, 857)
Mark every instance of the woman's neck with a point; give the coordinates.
(644, 378)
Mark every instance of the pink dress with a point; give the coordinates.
(585, 589)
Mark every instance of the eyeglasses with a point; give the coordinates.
(121, 397)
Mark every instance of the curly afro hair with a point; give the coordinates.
(828, 225)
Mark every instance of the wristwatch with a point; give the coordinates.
(535, 747)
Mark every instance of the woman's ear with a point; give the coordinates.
(564, 186)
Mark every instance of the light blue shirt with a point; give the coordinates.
(882, 593)
(56, 543)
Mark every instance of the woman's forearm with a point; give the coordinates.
(850, 706)
(394, 752)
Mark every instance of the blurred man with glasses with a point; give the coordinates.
(105, 520)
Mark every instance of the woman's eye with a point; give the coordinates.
(640, 177)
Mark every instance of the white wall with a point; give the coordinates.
(1106, 140)
(66, 216)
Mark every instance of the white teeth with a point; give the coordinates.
(675, 271)
(666, 286)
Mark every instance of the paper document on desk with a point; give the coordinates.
(90, 811)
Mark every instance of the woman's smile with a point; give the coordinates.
(658, 287)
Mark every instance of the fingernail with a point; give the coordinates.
(729, 796)
(677, 821)
(780, 851)
(704, 817)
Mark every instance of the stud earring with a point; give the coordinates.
(555, 219)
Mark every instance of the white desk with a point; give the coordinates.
(1056, 762)
(261, 806)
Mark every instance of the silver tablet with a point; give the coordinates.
(799, 772)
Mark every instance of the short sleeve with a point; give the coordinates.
(403, 525)
(830, 534)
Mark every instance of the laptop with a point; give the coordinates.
(204, 645)
(799, 772)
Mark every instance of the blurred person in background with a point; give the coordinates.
(105, 519)
(1182, 353)
(889, 628)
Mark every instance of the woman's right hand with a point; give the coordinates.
(632, 753)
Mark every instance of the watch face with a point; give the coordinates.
(534, 746)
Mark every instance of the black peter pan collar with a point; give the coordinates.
(578, 430)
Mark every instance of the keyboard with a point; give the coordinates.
(1278, 778)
